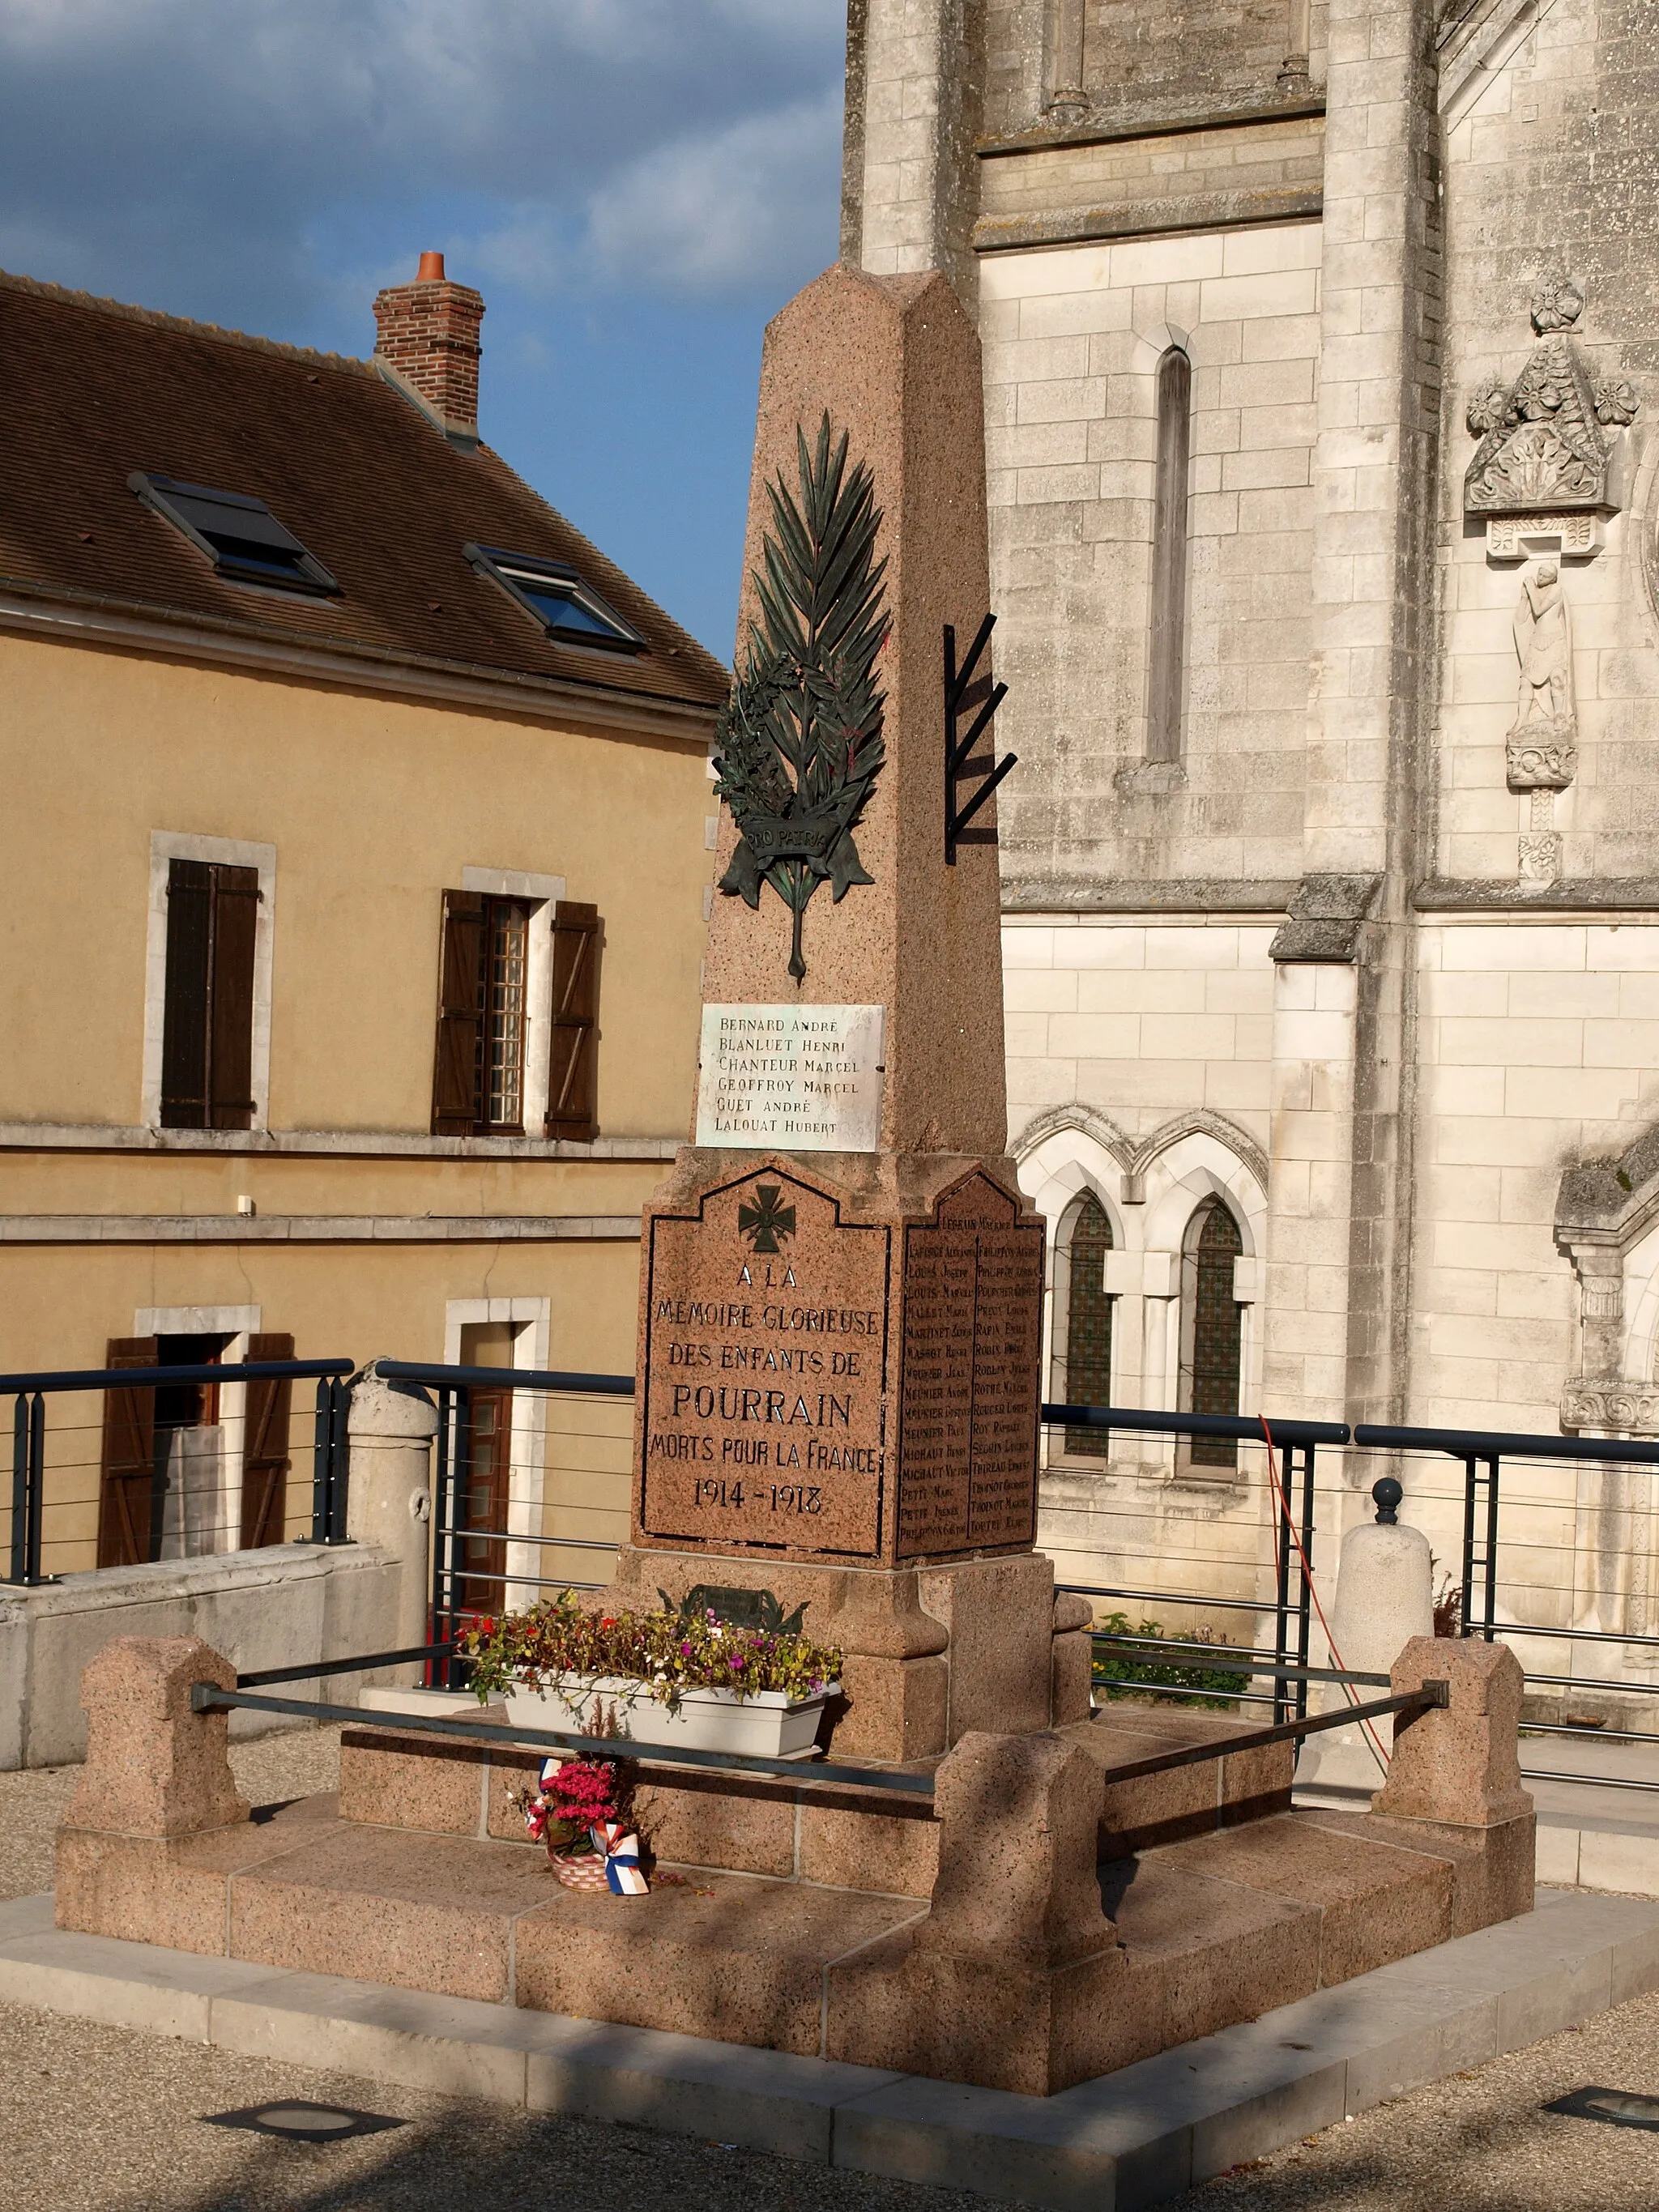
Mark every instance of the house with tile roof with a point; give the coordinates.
(357, 854)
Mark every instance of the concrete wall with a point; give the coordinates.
(282, 1607)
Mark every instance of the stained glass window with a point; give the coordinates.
(1088, 1325)
(1215, 1329)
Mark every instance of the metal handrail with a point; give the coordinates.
(1482, 1443)
(1238, 1427)
(505, 1378)
(1431, 1695)
(152, 1378)
(208, 1697)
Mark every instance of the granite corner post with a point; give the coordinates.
(1455, 1778)
(157, 1780)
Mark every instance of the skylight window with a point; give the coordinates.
(241, 537)
(569, 610)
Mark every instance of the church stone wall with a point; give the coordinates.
(1073, 339)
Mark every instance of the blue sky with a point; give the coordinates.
(633, 184)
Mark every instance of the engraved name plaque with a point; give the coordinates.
(799, 1078)
(970, 1388)
(763, 1374)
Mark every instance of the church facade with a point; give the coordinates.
(1321, 379)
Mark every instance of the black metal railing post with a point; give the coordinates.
(1293, 1645)
(454, 1455)
(25, 1494)
(330, 1462)
(1474, 1558)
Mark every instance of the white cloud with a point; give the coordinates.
(733, 210)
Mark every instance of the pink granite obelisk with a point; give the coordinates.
(841, 1295)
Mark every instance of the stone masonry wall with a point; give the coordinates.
(1072, 339)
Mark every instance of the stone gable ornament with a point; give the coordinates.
(1541, 471)
(799, 743)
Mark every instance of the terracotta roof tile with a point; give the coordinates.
(95, 389)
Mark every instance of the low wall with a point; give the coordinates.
(279, 1607)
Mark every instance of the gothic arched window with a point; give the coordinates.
(1167, 648)
(1084, 1325)
(1210, 1328)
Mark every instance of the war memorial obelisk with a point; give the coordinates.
(841, 1287)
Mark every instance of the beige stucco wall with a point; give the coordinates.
(375, 805)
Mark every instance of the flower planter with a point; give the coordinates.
(766, 1725)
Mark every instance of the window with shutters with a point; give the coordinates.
(207, 1033)
(1211, 1331)
(1083, 1320)
(484, 1083)
(1167, 648)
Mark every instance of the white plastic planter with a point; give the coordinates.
(766, 1725)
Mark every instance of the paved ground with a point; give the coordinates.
(96, 2119)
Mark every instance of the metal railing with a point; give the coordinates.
(70, 1458)
(816, 1773)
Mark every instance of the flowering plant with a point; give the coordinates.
(576, 1796)
(665, 1654)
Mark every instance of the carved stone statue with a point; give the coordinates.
(1543, 751)
(1544, 440)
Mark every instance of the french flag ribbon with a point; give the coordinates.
(621, 1859)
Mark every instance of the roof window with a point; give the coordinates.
(241, 537)
(569, 610)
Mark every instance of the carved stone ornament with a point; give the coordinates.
(799, 743)
(1609, 1403)
(1544, 451)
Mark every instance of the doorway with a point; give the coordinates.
(484, 1501)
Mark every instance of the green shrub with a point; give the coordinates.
(1123, 1670)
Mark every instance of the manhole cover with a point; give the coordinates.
(1618, 2108)
(301, 2122)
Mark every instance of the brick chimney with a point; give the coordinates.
(427, 344)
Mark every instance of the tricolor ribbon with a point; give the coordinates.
(621, 1859)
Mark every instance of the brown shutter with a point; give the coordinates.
(455, 1071)
(230, 1049)
(185, 1014)
(573, 1085)
(265, 1447)
(128, 1490)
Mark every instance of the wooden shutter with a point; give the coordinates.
(265, 1447)
(455, 1068)
(573, 1083)
(127, 1492)
(185, 1013)
(230, 1025)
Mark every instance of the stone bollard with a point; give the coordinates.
(1384, 1597)
(389, 1501)
(1015, 1978)
(1455, 1778)
(154, 1767)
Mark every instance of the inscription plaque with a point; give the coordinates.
(764, 1374)
(969, 1386)
(803, 1078)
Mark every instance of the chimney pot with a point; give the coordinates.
(427, 344)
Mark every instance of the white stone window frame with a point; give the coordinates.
(541, 894)
(1151, 1192)
(238, 1324)
(167, 845)
(530, 1321)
